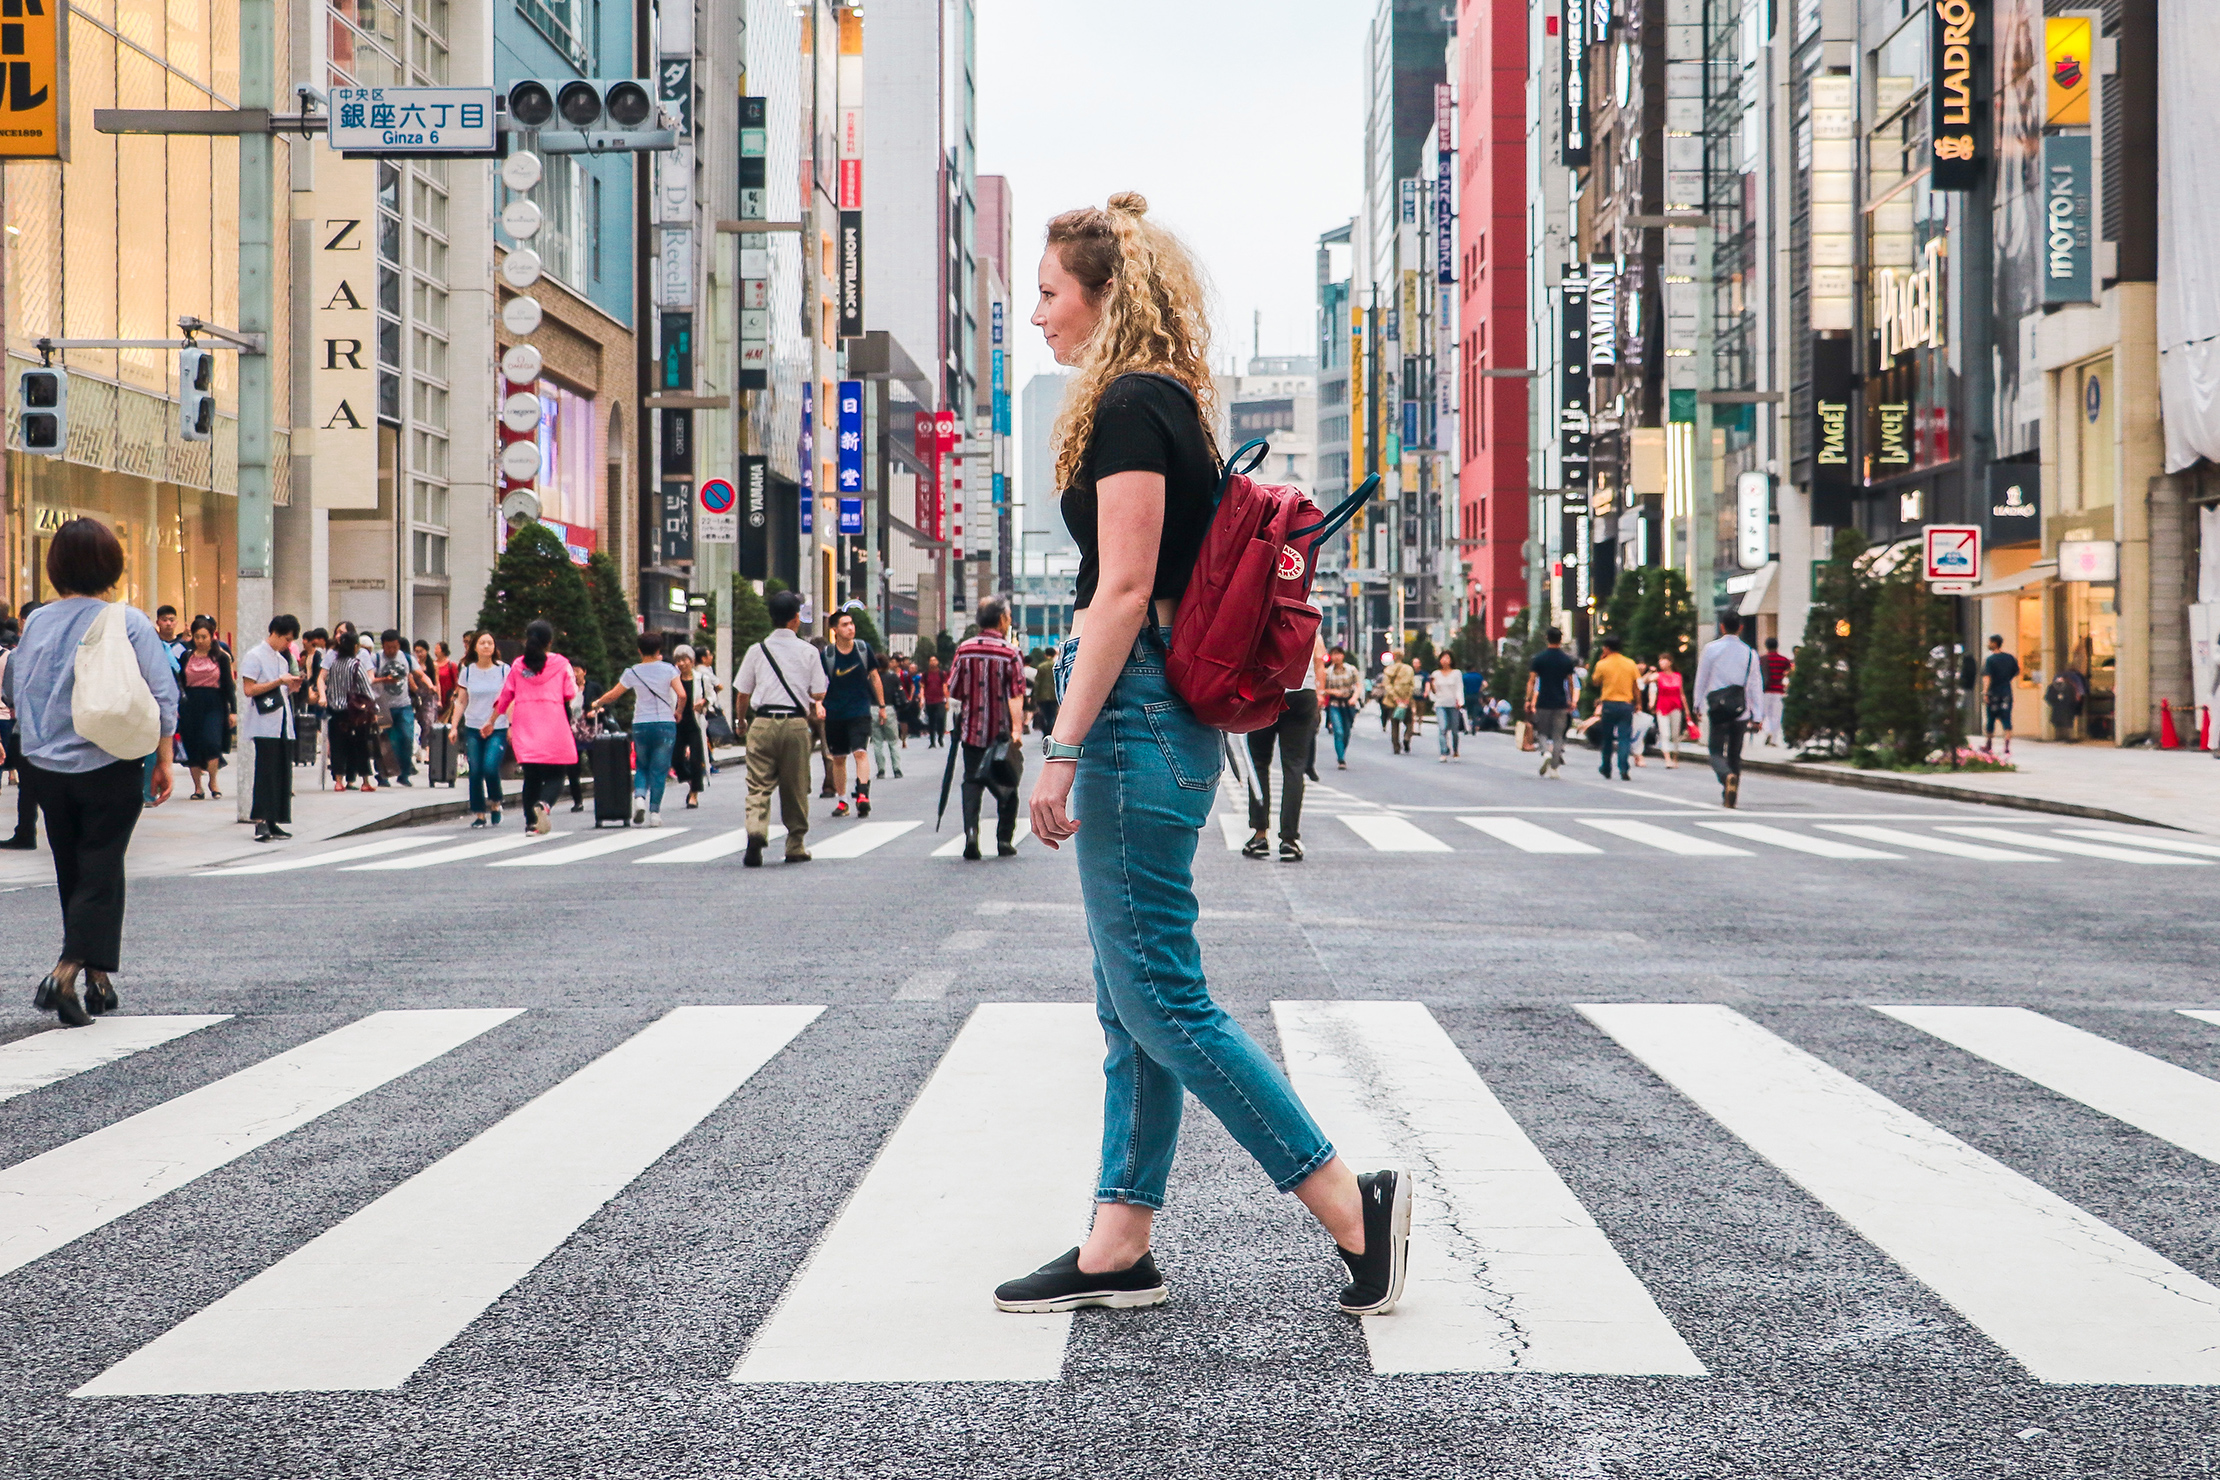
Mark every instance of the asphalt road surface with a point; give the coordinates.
(600, 1155)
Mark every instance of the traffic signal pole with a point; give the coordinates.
(253, 599)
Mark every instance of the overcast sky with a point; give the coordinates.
(1242, 121)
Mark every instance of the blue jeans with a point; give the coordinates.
(482, 754)
(1339, 717)
(651, 759)
(1449, 720)
(1142, 793)
(400, 728)
(1615, 717)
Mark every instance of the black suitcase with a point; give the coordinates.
(609, 762)
(442, 766)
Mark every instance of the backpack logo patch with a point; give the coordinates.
(1291, 563)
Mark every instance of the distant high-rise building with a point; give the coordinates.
(1041, 532)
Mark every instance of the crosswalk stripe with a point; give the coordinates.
(709, 850)
(2156, 1097)
(954, 847)
(1896, 837)
(617, 842)
(1781, 837)
(64, 1194)
(861, 839)
(2202, 1014)
(2073, 1299)
(59, 1053)
(2059, 844)
(2141, 840)
(1664, 838)
(287, 864)
(1528, 837)
(1236, 829)
(992, 1171)
(364, 1304)
(1508, 1272)
(1391, 834)
(482, 849)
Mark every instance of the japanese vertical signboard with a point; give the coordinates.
(851, 457)
(808, 452)
(677, 543)
(1572, 406)
(342, 412)
(716, 516)
(850, 122)
(1445, 220)
(755, 250)
(1954, 93)
(33, 125)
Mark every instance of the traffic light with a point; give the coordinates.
(589, 115)
(43, 396)
(196, 394)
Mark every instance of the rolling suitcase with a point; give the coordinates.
(609, 757)
(441, 767)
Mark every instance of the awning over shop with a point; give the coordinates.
(2041, 570)
(1763, 598)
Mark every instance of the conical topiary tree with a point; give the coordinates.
(1903, 688)
(1821, 709)
(751, 620)
(1664, 620)
(619, 628)
(534, 578)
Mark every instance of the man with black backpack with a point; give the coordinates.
(853, 697)
(1731, 686)
(989, 680)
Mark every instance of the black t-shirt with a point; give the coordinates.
(847, 680)
(1552, 667)
(1146, 424)
(2000, 669)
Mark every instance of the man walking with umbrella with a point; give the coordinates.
(988, 679)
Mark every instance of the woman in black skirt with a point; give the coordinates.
(208, 708)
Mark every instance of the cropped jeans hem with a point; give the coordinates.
(1132, 1196)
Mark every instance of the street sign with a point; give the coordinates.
(412, 120)
(1753, 511)
(716, 513)
(1953, 552)
(32, 44)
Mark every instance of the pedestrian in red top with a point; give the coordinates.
(990, 682)
(1668, 696)
(934, 685)
(1775, 668)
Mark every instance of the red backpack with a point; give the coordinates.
(1246, 628)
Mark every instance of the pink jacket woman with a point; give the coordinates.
(538, 707)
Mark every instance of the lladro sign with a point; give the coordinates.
(1955, 114)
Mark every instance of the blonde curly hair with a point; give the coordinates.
(1153, 318)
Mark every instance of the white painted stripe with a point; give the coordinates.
(2070, 1297)
(860, 839)
(57, 1054)
(1896, 837)
(2202, 1014)
(2165, 844)
(2059, 844)
(370, 1300)
(60, 1196)
(1390, 834)
(709, 850)
(992, 1170)
(592, 847)
(1800, 842)
(1528, 837)
(1236, 828)
(1664, 838)
(287, 863)
(2162, 1099)
(452, 855)
(1508, 1273)
(954, 847)
(925, 986)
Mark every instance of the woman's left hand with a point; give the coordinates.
(1051, 795)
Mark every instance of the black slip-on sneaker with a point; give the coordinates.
(1290, 851)
(1376, 1275)
(1255, 848)
(1060, 1285)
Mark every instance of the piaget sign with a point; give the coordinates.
(1907, 304)
(1958, 39)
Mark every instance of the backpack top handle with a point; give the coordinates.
(1342, 513)
(1256, 449)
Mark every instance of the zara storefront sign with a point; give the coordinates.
(1908, 306)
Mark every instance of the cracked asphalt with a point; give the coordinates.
(612, 1356)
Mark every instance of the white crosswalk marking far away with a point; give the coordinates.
(1897, 837)
(2071, 1298)
(1528, 837)
(1391, 834)
(1508, 1271)
(2060, 844)
(366, 1303)
(598, 846)
(1664, 838)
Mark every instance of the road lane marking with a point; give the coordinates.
(60, 1053)
(925, 986)
(1394, 834)
(1896, 837)
(1236, 828)
(55, 1198)
(1528, 837)
(1801, 842)
(2156, 1097)
(592, 847)
(1508, 1272)
(451, 855)
(954, 847)
(861, 839)
(364, 1304)
(1664, 839)
(993, 1170)
(2202, 1014)
(2071, 1298)
(2140, 840)
(709, 850)
(315, 860)
(2059, 844)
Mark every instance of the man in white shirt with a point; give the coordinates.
(267, 680)
(1731, 687)
(779, 686)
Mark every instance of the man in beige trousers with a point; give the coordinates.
(779, 687)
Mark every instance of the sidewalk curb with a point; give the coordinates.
(460, 806)
(1905, 785)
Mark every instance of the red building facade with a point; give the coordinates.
(1491, 259)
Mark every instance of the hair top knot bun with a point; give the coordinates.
(1130, 202)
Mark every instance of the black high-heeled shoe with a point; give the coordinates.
(43, 997)
(99, 994)
(69, 1008)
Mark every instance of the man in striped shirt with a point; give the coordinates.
(988, 679)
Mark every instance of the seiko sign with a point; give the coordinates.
(1908, 305)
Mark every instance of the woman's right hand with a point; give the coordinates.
(485, 731)
(1052, 823)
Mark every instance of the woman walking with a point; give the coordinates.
(656, 697)
(91, 798)
(477, 685)
(1668, 701)
(690, 753)
(1341, 684)
(536, 697)
(208, 707)
(1131, 775)
(353, 726)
